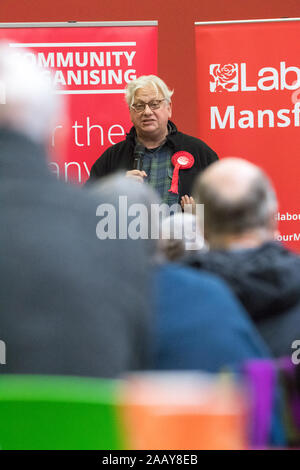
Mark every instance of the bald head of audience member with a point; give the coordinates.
(28, 103)
(239, 204)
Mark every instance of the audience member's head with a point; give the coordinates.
(136, 202)
(239, 204)
(27, 102)
(179, 233)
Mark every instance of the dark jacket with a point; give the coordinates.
(200, 325)
(120, 157)
(59, 309)
(267, 282)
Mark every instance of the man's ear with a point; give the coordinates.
(273, 225)
(170, 110)
(130, 113)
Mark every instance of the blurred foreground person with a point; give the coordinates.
(240, 208)
(200, 325)
(179, 234)
(189, 328)
(59, 310)
(135, 203)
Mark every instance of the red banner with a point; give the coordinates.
(91, 65)
(248, 76)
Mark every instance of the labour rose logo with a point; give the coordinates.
(223, 77)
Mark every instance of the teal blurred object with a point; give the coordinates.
(55, 412)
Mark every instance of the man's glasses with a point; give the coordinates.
(140, 107)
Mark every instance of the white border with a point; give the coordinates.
(78, 24)
(88, 92)
(269, 20)
(71, 44)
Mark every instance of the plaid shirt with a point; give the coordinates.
(158, 166)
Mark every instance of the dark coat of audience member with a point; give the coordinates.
(266, 280)
(200, 324)
(70, 303)
(240, 226)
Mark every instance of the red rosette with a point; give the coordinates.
(181, 161)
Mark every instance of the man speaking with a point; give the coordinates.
(154, 150)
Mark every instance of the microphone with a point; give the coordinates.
(138, 156)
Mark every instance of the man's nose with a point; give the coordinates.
(147, 109)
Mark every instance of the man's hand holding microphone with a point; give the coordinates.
(137, 173)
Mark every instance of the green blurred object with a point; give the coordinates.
(55, 412)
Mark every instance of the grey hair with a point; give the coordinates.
(27, 103)
(147, 80)
(226, 216)
(115, 186)
(180, 233)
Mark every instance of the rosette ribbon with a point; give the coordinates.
(181, 161)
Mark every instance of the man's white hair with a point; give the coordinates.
(144, 81)
(27, 102)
